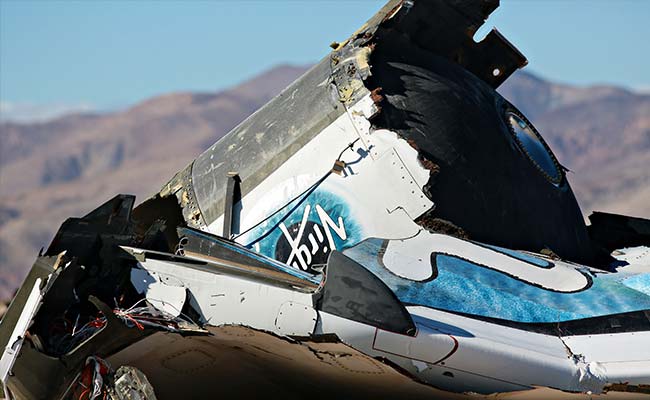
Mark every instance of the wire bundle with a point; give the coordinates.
(64, 335)
(149, 316)
(91, 383)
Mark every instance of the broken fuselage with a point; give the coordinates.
(391, 199)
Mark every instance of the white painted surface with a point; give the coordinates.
(299, 172)
(358, 115)
(385, 140)
(224, 299)
(638, 258)
(296, 319)
(501, 353)
(402, 259)
(416, 265)
(358, 335)
(617, 347)
(632, 372)
(166, 298)
(361, 336)
(429, 345)
(382, 182)
(449, 351)
(163, 296)
(17, 337)
(493, 358)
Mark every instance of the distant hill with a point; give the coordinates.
(65, 167)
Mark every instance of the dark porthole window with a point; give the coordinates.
(533, 146)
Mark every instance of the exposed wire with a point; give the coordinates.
(85, 392)
(302, 196)
(91, 381)
(348, 147)
(150, 316)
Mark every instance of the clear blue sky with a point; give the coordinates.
(108, 54)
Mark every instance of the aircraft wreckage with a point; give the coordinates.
(387, 225)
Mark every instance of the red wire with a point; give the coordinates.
(87, 391)
(97, 323)
(139, 325)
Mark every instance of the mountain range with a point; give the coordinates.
(66, 167)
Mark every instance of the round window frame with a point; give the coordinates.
(560, 171)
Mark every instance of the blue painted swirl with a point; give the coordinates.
(465, 287)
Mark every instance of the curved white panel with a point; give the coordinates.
(403, 260)
(428, 346)
(417, 253)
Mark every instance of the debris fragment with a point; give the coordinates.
(439, 225)
(131, 384)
